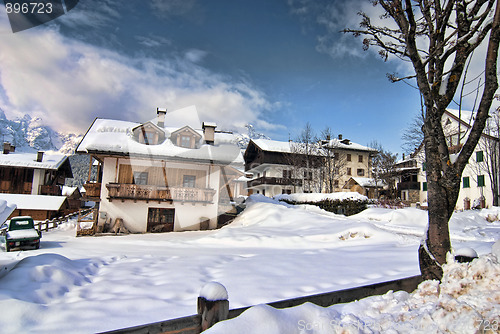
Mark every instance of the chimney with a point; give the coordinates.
(209, 132)
(6, 148)
(403, 156)
(161, 112)
(340, 136)
(39, 156)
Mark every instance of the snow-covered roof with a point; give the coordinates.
(367, 182)
(50, 160)
(34, 202)
(68, 191)
(6, 210)
(273, 145)
(288, 147)
(115, 137)
(348, 145)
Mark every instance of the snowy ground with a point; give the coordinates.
(271, 252)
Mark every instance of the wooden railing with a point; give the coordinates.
(53, 223)
(50, 190)
(192, 324)
(159, 193)
(92, 190)
(275, 181)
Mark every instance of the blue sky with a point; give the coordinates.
(274, 63)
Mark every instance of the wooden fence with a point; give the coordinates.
(53, 223)
(192, 324)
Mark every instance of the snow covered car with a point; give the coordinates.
(20, 232)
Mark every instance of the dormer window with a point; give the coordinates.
(148, 134)
(185, 137)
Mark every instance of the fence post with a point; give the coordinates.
(213, 304)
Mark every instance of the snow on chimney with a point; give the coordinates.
(39, 156)
(209, 132)
(161, 112)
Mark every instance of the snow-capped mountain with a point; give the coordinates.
(29, 134)
(244, 138)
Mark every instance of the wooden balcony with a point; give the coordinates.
(138, 192)
(275, 181)
(409, 185)
(50, 190)
(92, 190)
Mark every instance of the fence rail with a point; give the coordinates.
(53, 223)
(192, 324)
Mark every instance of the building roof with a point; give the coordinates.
(289, 146)
(114, 137)
(366, 182)
(51, 160)
(34, 202)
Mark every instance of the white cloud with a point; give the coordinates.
(69, 83)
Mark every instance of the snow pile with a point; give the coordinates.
(6, 210)
(467, 301)
(318, 197)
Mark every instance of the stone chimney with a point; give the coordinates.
(161, 112)
(209, 132)
(340, 136)
(39, 156)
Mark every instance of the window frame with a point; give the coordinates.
(189, 181)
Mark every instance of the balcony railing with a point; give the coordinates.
(409, 186)
(159, 193)
(50, 190)
(275, 181)
(92, 190)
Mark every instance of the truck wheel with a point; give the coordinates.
(7, 248)
(37, 245)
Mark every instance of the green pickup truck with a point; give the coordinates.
(20, 232)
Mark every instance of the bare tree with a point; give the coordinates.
(437, 38)
(383, 170)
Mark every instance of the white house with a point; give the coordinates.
(476, 186)
(155, 177)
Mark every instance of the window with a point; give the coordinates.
(348, 171)
(336, 156)
(480, 180)
(466, 182)
(348, 157)
(424, 167)
(424, 186)
(287, 174)
(479, 156)
(160, 220)
(149, 138)
(360, 158)
(361, 172)
(185, 141)
(336, 183)
(189, 181)
(308, 175)
(141, 178)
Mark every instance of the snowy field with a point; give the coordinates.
(271, 252)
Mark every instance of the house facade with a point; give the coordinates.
(40, 173)
(33, 182)
(287, 167)
(159, 178)
(476, 184)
